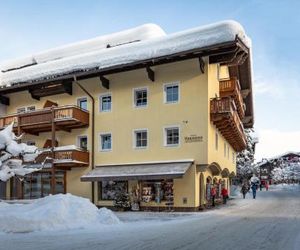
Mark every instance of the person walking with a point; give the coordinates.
(254, 181)
(245, 189)
(224, 193)
(267, 186)
(213, 193)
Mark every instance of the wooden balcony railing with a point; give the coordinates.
(224, 115)
(66, 158)
(34, 122)
(232, 88)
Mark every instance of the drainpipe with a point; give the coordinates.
(93, 131)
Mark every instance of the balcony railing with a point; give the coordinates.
(232, 88)
(66, 157)
(224, 115)
(34, 122)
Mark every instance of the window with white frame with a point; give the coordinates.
(216, 141)
(105, 103)
(171, 93)
(172, 136)
(105, 142)
(82, 142)
(82, 103)
(141, 138)
(140, 97)
(25, 109)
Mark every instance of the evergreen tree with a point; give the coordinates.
(245, 159)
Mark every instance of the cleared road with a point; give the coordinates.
(272, 221)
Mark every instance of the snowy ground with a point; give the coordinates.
(272, 221)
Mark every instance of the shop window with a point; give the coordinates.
(108, 190)
(105, 142)
(141, 138)
(82, 142)
(37, 185)
(105, 103)
(158, 191)
(140, 97)
(82, 103)
(172, 136)
(171, 93)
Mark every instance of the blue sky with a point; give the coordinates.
(34, 25)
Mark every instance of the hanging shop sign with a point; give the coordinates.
(193, 138)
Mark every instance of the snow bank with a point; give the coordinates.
(56, 212)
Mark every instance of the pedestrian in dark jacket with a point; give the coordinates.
(224, 193)
(213, 193)
(244, 190)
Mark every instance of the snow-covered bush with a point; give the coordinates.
(14, 155)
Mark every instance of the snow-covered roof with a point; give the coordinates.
(138, 44)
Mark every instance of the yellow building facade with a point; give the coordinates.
(151, 133)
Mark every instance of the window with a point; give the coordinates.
(141, 138)
(223, 72)
(225, 151)
(25, 109)
(105, 143)
(216, 141)
(105, 103)
(172, 136)
(82, 142)
(82, 103)
(233, 157)
(108, 190)
(171, 92)
(30, 143)
(140, 97)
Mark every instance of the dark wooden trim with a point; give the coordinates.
(104, 82)
(201, 65)
(4, 100)
(150, 73)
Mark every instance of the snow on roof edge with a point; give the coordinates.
(199, 37)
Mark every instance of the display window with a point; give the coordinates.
(109, 189)
(157, 191)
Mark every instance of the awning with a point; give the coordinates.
(143, 171)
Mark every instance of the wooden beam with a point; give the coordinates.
(4, 100)
(245, 92)
(202, 65)
(104, 81)
(63, 128)
(33, 96)
(68, 87)
(150, 73)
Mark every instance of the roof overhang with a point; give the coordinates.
(146, 171)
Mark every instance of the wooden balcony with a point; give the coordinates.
(37, 121)
(224, 115)
(66, 157)
(232, 88)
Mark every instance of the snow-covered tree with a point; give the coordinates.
(14, 155)
(286, 170)
(245, 159)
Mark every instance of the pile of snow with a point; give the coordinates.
(54, 212)
(67, 62)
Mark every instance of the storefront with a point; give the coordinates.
(37, 185)
(147, 185)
